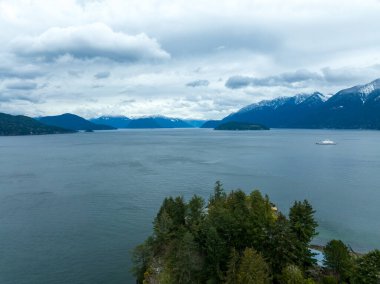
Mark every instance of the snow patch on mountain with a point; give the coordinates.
(280, 101)
(275, 103)
(367, 89)
(362, 90)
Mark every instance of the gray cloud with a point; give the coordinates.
(299, 76)
(237, 82)
(228, 37)
(21, 86)
(21, 73)
(75, 73)
(89, 41)
(212, 40)
(351, 75)
(102, 75)
(9, 98)
(198, 83)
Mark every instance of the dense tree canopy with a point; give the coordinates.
(241, 238)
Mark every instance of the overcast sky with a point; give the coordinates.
(191, 59)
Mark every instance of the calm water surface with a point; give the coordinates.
(73, 206)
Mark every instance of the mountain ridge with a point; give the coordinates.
(11, 125)
(149, 121)
(72, 121)
(352, 108)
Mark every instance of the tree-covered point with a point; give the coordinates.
(233, 238)
(233, 125)
(240, 238)
(344, 266)
(23, 125)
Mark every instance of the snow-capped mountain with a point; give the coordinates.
(152, 121)
(281, 101)
(114, 121)
(363, 90)
(355, 107)
(359, 93)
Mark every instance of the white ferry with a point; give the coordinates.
(326, 142)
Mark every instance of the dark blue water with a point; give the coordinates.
(73, 206)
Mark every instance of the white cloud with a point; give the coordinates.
(67, 46)
(89, 41)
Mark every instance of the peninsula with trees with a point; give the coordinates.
(240, 238)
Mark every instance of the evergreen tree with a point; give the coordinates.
(292, 275)
(219, 194)
(282, 247)
(338, 259)
(215, 250)
(170, 218)
(228, 241)
(195, 214)
(302, 222)
(303, 225)
(368, 268)
(253, 269)
(185, 261)
(233, 267)
(261, 217)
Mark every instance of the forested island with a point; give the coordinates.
(240, 238)
(233, 125)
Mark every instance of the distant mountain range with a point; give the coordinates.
(113, 121)
(147, 122)
(23, 125)
(357, 107)
(72, 122)
(354, 108)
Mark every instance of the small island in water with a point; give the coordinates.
(233, 125)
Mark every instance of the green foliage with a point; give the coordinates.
(282, 247)
(303, 225)
(215, 251)
(236, 238)
(329, 279)
(170, 218)
(368, 268)
(219, 195)
(338, 259)
(292, 275)
(185, 260)
(302, 222)
(233, 267)
(195, 214)
(142, 256)
(252, 269)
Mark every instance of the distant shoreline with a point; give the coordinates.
(321, 248)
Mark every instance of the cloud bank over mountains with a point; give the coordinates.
(180, 58)
(303, 78)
